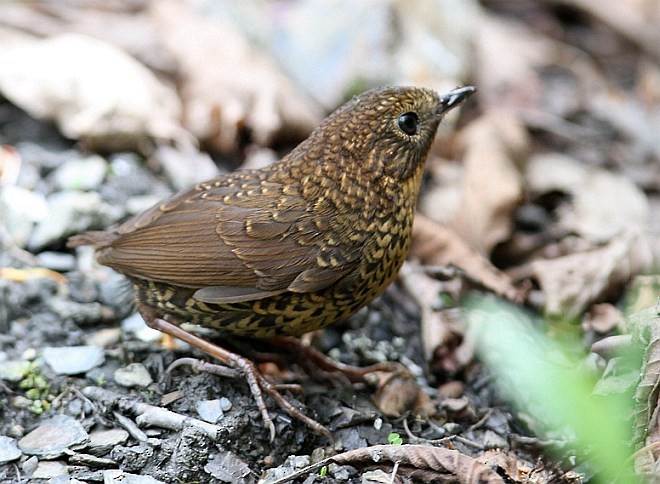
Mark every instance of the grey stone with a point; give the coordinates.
(133, 375)
(135, 324)
(8, 450)
(20, 210)
(228, 467)
(70, 212)
(115, 476)
(80, 173)
(73, 360)
(13, 370)
(103, 441)
(57, 261)
(53, 437)
(50, 470)
(209, 410)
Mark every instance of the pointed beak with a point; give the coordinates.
(454, 98)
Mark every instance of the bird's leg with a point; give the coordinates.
(306, 355)
(248, 369)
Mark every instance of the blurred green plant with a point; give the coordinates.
(548, 380)
(394, 439)
(36, 388)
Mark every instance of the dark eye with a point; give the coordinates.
(408, 123)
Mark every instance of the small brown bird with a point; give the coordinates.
(288, 248)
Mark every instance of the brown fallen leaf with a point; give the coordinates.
(507, 57)
(228, 86)
(602, 318)
(645, 331)
(491, 186)
(434, 244)
(399, 393)
(516, 469)
(593, 212)
(636, 20)
(92, 90)
(573, 282)
(422, 463)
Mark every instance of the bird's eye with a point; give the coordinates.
(408, 123)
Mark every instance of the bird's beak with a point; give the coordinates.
(454, 98)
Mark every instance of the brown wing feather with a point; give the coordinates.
(219, 239)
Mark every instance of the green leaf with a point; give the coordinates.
(548, 380)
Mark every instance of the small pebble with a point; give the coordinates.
(73, 360)
(133, 375)
(209, 410)
(70, 212)
(225, 404)
(29, 354)
(136, 325)
(13, 370)
(227, 467)
(492, 440)
(115, 476)
(53, 437)
(29, 466)
(103, 441)
(20, 209)
(103, 338)
(80, 173)
(57, 261)
(9, 451)
(50, 470)
(140, 203)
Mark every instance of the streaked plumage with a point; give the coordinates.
(295, 246)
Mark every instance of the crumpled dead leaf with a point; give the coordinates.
(491, 185)
(637, 20)
(434, 244)
(422, 463)
(603, 204)
(574, 281)
(92, 90)
(507, 55)
(228, 86)
(645, 331)
(398, 393)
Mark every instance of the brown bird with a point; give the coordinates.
(289, 248)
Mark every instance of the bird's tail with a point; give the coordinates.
(98, 239)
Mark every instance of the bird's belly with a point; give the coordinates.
(285, 314)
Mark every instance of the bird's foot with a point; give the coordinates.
(313, 360)
(239, 365)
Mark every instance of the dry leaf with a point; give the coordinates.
(573, 282)
(434, 244)
(228, 86)
(491, 187)
(602, 318)
(645, 330)
(507, 56)
(91, 89)
(399, 394)
(421, 463)
(637, 20)
(603, 204)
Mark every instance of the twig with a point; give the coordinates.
(149, 415)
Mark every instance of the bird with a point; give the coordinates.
(289, 248)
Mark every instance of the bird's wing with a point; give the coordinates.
(234, 243)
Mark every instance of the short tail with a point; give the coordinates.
(98, 239)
